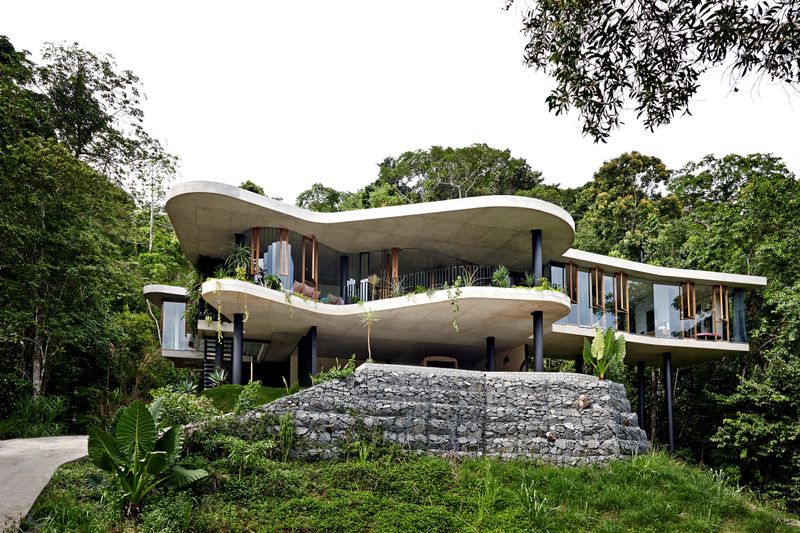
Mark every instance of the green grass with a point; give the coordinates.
(649, 493)
(224, 397)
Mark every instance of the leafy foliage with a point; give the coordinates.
(248, 398)
(139, 456)
(181, 408)
(606, 54)
(605, 352)
(336, 371)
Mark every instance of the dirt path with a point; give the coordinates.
(26, 465)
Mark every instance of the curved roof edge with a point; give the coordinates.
(660, 273)
(158, 293)
(375, 213)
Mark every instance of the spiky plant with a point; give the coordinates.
(368, 318)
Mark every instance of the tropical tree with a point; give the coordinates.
(367, 320)
(607, 54)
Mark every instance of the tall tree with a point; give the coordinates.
(321, 198)
(604, 54)
(625, 207)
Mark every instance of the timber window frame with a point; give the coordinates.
(571, 275)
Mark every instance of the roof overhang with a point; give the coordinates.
(659, 273)
(157, 294)
(481, 230)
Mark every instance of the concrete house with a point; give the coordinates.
(455, 283)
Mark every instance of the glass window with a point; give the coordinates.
(642, 315)
(705, 314)
(667, 305)
(174, 326)
(585, 314)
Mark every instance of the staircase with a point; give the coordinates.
(209, 361)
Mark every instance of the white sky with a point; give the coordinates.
(290, 93)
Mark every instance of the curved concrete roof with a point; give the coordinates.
(409, 327)
(158, 293)
(659, 273)
(482, 230)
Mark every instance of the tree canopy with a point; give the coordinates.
(606, 54)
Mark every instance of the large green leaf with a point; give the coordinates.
(598, 344)
(103, 450)
(156, 462)
(136, 431)
(181, 477)
(171, 442)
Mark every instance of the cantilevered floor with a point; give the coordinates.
(409, 327)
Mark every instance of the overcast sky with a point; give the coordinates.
(290, 93)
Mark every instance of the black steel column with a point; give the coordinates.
(536, 242)
(668, 398)
(538, 341)
(490, 354)
(344, 267)
(303, 362)
(312, 341)
(218, 353)
(238, 342)
(640, 396)
(579, 364)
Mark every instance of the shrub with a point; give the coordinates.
(605, 352)
(336, 372)
(13, 387)
(139, 456)
(500, 277)
(35, 416)
(178, 408)
(248, 398)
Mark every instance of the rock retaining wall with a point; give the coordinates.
(560, 418)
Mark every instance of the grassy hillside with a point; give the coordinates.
(391, 493)
(224, 397)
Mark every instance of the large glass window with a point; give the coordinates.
(174, 326)
(667, 307)
(642, 312)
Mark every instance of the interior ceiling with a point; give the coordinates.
(482, 230)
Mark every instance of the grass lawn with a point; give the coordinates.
(652, 492)
(224, 397)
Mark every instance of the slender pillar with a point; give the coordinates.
(579, 364)
(668, 399)
(312, 341)
(536, 245)
(218, 353)
(344, 267)
(538, 341)
(490, 354)
(238, 342)
(640, 395)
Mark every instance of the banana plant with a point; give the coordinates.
(605, 351)
(139, 456)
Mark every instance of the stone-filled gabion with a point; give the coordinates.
(560, 418)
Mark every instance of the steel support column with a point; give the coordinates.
(307, 357)
(344, 267)
(312, 341)
(490, 354)
(640, 391)
(668, 400)
(579, 364)
(218, 353)
(538, 341)
(536, 246)
(238, 343)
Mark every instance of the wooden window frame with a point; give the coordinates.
(314, 262)
(622, 300)
(719, 294)
(688, 306)
(596, 289)
(255, 250)
(571, 274)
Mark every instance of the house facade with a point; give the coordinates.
(451, 283)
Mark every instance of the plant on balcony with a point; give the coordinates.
(469, 276)
(367, 320)
(529, 280)
(604, 353)
(138, 456)
(373, 281)
(271, 281)
(238, 260)
(397, 288)
(500, 277)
